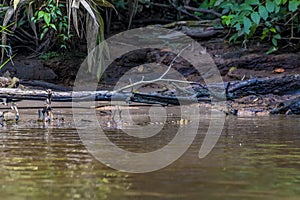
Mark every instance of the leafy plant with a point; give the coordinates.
(50, 20)
(54, 23)
(267, 18)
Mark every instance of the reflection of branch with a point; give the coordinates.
(159, 79)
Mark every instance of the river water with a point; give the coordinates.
(254, 158)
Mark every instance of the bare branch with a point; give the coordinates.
(202, 10)
(159, 79)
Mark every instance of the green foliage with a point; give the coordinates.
(54, 23)
(49, 55)
(269, 19)
(52, 17)
(50, 20)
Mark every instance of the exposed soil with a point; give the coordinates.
(234, 64)
(232, 61)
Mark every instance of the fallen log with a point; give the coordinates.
(280, 85)
(78, 96)
(288, 107)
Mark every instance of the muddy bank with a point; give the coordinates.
(236, 65)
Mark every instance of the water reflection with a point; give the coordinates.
(255, 158)
(51, 163)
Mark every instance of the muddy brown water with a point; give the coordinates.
(254, 158)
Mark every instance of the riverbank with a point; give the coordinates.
(235, 64)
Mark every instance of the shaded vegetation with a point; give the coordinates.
(52, 24)
(57, 25)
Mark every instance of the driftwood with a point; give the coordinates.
(280, 85)
(290, 106)
(20, 94)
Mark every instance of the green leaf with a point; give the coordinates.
(274, 42)
(7, 60)
(43, 33)
(212, 3)
(60, 25)
(271, 50)
(263, 12)
(40, 14)
(255, 17)
(247, 25)
(47, 18)
(237, 26)
(226, 19)
(252, 2)
(245, 7)
(273, 30)
(53, 26)
(59, 12)
(270, 6)
(277, 9)
(217, 3)
(278, 2)
(264, 34)
(293, 5)
(63, 46)
(277, 36)
(268, 24)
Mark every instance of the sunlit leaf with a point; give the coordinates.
(16, 2)
(89, 10)
(53, 26)
(232, 69)
(6, 61)
(47, 18)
